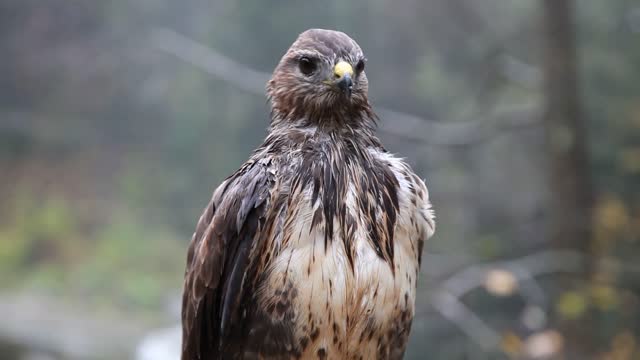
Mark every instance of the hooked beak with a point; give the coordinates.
(343, 73)
(346, 84)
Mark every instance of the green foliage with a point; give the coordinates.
(121, 262)
(40, 232)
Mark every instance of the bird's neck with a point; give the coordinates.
(292, 111)
(298, 138)
(299, 132)
(360, 122)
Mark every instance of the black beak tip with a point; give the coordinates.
(346, 84)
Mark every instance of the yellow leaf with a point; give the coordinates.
(623, 345)
(604, 297)
(572, 304)
(612, 214)
(511, 344)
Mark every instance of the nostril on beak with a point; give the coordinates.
(346, 84)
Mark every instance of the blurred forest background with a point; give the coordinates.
(118, 119)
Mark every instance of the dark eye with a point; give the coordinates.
(360, 66)
(307, 65)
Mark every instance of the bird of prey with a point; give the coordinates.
(312, 248)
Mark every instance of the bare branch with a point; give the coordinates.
(210, 61)
(471, 324)
(446, 300)
(406, 126)
(541, 263)
(430, 132)
(528, 267)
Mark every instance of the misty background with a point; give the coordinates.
(119, 118)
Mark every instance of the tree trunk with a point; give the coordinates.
(569, 180)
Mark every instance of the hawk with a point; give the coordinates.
(312, 248)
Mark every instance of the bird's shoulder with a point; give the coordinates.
(219, 259)
(412, 189)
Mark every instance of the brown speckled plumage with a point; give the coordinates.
(312, 248)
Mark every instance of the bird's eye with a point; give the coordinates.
(307, 65)
(360, 66)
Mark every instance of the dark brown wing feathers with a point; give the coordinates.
(219, 260)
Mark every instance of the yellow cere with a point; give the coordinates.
(342, 68)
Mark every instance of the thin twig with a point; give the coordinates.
(409, 127)
(446, 300)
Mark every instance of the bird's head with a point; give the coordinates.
(321, 77)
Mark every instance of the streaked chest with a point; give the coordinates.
(346, 279)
